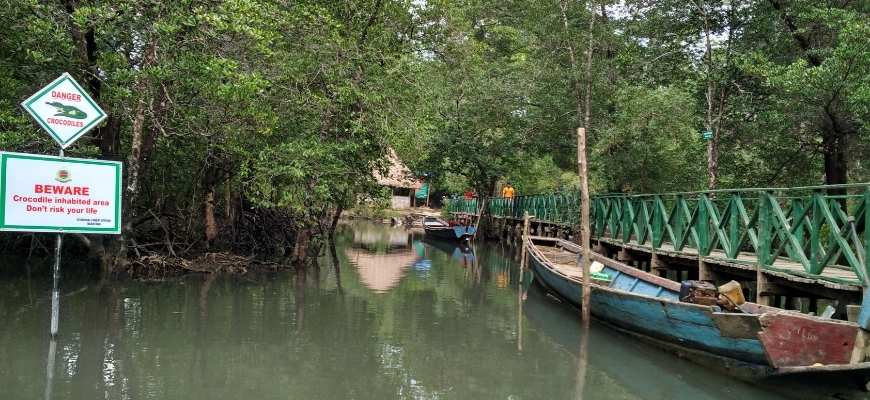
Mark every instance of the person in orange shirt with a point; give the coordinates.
(508, 191)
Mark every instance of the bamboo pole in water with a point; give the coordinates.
(524, 258)
(523, 265)
(479, 215)
(584, 218)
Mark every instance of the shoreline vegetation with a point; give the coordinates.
(164, 259)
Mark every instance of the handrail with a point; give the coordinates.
(803, 225)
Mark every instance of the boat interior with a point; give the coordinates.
(563, 257)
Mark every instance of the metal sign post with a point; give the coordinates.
(64, 110)
(28, 204)
(55, 287)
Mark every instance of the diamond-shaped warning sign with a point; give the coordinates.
(64, 109)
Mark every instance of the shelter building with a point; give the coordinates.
(402, 183)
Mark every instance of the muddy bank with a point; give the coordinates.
(159, 267)
(258, 240)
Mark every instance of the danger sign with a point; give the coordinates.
(64, 110)
(57, 194)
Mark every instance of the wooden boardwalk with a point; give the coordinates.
(833, 277)
(827, 227)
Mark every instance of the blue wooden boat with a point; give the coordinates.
(755, 341)
(440, 229)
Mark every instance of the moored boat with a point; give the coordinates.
(752, 341)
(441, 229)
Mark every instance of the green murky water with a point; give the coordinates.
(388, 315)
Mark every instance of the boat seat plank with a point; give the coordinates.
(566, 262)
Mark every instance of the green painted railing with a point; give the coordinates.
(815, 230)
(463, 206)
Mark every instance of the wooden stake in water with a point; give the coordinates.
(523, 266)
(523, 239)
(584, 218)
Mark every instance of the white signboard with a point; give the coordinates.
(56, 194)
(64, 109)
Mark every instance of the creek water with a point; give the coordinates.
(385, 315)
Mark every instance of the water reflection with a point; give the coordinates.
(381, 272)
(379, 238)
(50, 367)
(382, 256)
(461, 253)
(446, 328)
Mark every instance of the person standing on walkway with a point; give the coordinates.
(508, 191)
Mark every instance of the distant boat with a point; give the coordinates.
(754, 341)
(438, 228)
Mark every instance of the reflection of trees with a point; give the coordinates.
(336, 265)
(92, 354)
(299, 297)
(295, 333)
(201, 332)
(442, 332)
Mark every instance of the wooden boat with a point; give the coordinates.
(438, 228)
(755, 341)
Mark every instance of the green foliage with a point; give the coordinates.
(223, 106)
(541, 175)
(501, 80)
(653, 143)
(237, 104)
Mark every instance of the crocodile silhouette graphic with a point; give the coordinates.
(64, 110)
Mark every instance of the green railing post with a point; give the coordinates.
(626, 220)
(677, 222)
(658, 233)
(613, 210)
(866, 232)
(815, 231)
(702, 225)
(733, 227)
(798, 217)
(864, 315)
(764, 230)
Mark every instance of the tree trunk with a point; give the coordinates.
(713, 161)
(211, 229)
(335, 217)
(834, 149)
(563, 8)
(118, 257)
(713, 143)
(836, 124)
(587, 76)
(300, 248)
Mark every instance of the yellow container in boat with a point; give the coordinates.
(733, 292)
